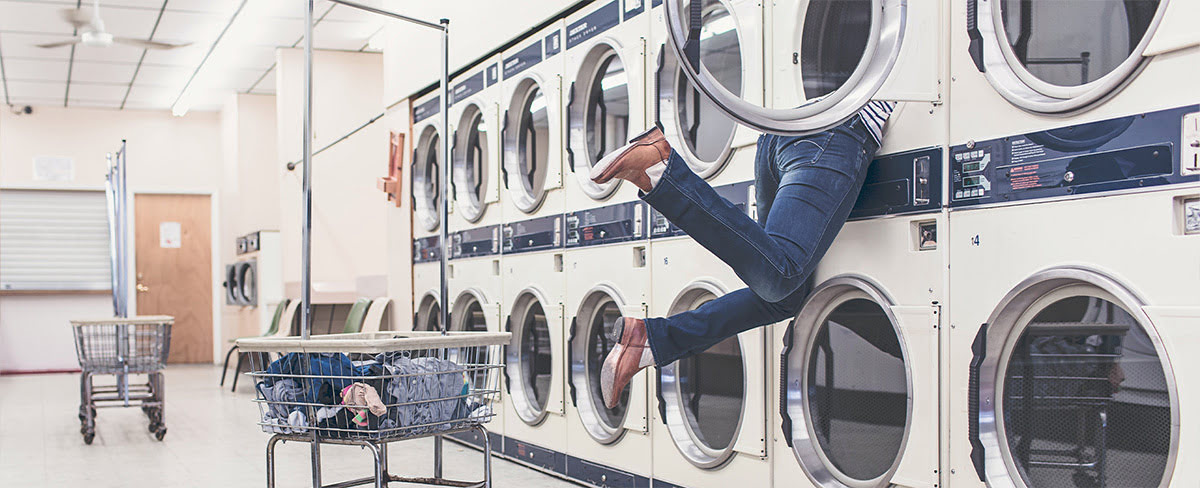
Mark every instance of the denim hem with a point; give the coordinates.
(650, 331)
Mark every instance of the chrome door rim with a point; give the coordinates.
(666, 99)
(888, 24)
(426, 206)
(599, 430)
(249, 293)
(472, 206)
(1004, 325)
(589, 69)
(522, 195)
(1013, 81)
(458, 311)
(684, 438)
(425, 309)
(526, 407)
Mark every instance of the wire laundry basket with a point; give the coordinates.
(377, 387)
(122, 347)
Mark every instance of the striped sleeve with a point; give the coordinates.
(875, 116)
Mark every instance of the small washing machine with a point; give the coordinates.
(857, 401)
(608, 276)
(1072, 327)
(716, 146)
(532, 126)
(709, 416)
(535, 425)
(475, 148)
(474, 283)
(427, 279)
(605, 94)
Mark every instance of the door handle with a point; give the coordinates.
(142, 288)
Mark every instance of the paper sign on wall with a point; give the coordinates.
(170, 235)
(53, 168)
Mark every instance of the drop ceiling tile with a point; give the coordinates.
(195, 27)
(35, 69)
(125, 22)
(344, 13)
(93, 103)
(87, 91)
(36, 89)
(32, 17)
(153, 95)
(266, 84)
(350, 36)
(163, 76)
(37, 101)
(21, 45)
(116, 53)
(212, 6)
(188, 56)
(102, 72)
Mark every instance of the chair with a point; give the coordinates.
(275, 330)
(373, 321)
(357, 315)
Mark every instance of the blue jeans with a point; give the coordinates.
(806, 188)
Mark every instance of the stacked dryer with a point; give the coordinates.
(426, 200)
(606, 240)
(532, 242)
(475, 221)
(709, 432)
(254, 283)
(1075, 215)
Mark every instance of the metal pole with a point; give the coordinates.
(306, 205)
(123, 226)
(445, 193)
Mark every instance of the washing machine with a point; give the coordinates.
(605, 100)
(475, 147)
(608, 276)
(535, 424)
(426, 176)
(710, 432)
(256, 282)
(714, 145)
(532, 126)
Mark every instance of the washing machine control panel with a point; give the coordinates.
(1125, 153)
(741, 195)
(482, 241)
(622, 222)
(533, 235)
(427, 249)
(901, 183)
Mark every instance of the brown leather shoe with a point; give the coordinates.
(630, 162)
(624, 361)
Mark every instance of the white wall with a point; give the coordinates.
(166, 154)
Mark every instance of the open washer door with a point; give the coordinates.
(825, 59)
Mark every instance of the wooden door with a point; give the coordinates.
(174, 269)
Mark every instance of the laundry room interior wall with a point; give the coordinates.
(166, 155)
(349, 248)
(399, 225)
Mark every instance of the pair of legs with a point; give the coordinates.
(806, 188)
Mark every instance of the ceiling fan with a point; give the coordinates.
(92, 34)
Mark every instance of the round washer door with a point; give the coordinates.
(828, 58)
(426, 178)
(704, 395)
(598, 113)
(848, 386)
(530, 366)
(1054, 56)
(1075, 388)
(233, 292)
(472, 164)
(248, 282)
(527, 145)
(429, 314)
(589, 345)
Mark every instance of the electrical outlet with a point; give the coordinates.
(1189, 163)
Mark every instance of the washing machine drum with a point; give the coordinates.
(247, 282)
(471, 163)
(597, 115)
(1058, 56)
(429, 315)
(590, 344)
(530, 367)
(426, 178)
(830, 58)
(527, 155)
(1074, 391)
(847, 390)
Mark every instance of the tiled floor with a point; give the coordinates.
(212, 441)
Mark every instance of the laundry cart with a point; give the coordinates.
(371, 389)
(122, 347)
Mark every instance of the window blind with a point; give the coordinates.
(54, 240)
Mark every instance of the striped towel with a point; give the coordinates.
(875, 116)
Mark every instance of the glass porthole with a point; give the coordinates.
(705, 131)
(590, 345)
(705, 394)
(429, 315)
(471, 164)
(427, 160)
(1083, 394)
(847, 386)
(527, 145)
(530, 359)
(248, 282)
(1062, 55)
(467, 315)
(599, 112)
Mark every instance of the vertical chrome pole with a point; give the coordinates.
(110, 191)
(123, 226)
(445, 192)
(306, 205)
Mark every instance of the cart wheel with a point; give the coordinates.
(88, 436)
(162, 432)
(154, 426)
